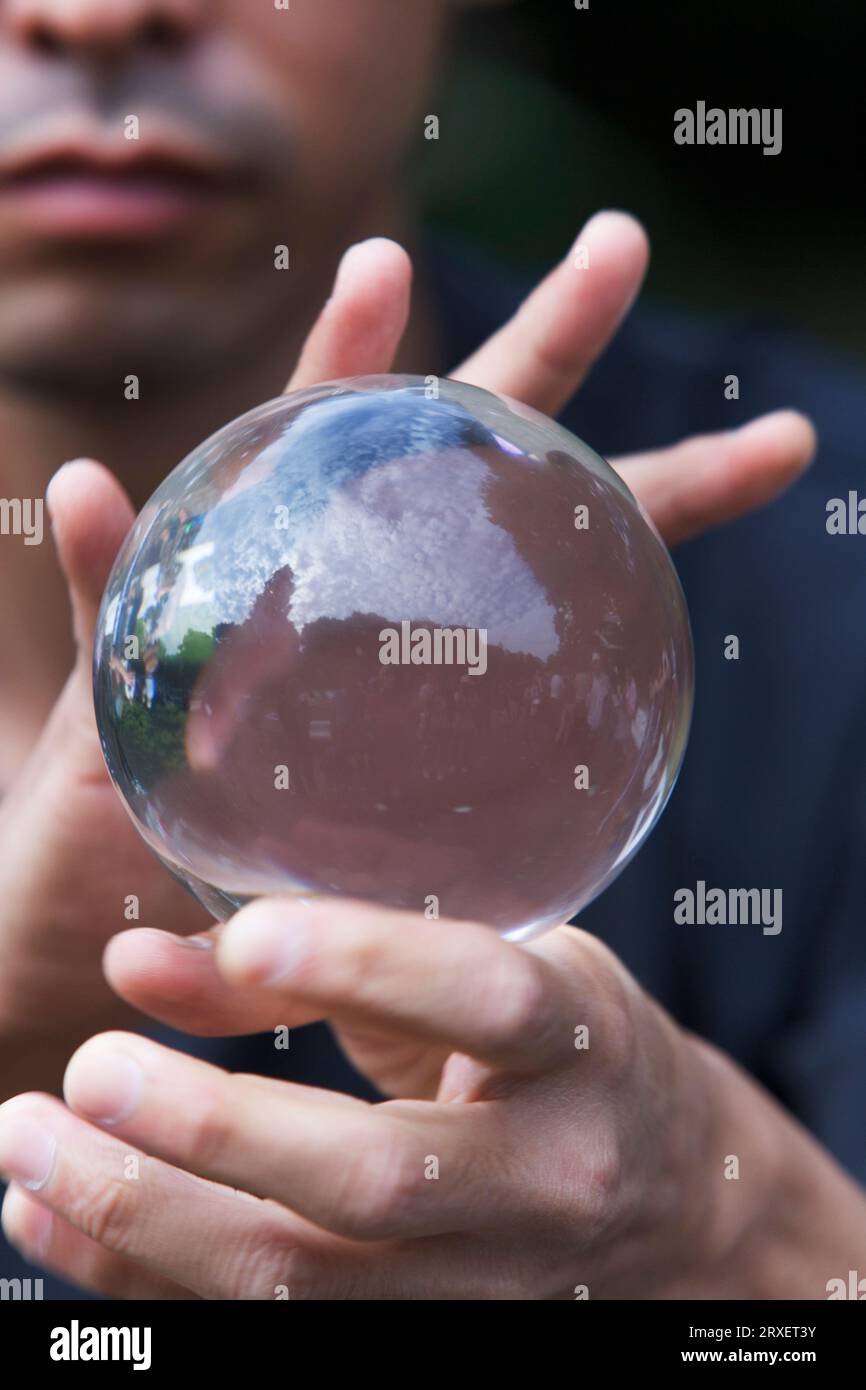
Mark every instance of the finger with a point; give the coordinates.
(61, 810)
(357, 1170)
(49, 1241)
(184, 982)
(359, 329)
(431, 1269)
(213, 1241)
(714, 478)
(175, 979)
(90, 516)
(543, 353)
(218, 1243)
(436, 1268)
(446, 982)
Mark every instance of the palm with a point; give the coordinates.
(89, 874)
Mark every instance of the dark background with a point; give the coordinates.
(549, 113)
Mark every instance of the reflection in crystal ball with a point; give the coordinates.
(422, 649)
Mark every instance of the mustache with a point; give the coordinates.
(243, 135)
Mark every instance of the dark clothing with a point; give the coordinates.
(772, 791)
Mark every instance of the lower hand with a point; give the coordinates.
(553, 1129)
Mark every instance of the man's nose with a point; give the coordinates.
(58, 26)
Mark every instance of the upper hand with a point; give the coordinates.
(70, 858)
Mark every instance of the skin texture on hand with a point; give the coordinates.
(519, 1178)
(573, 1141)
(540, 356)
(557, 1165)
(552, 1150)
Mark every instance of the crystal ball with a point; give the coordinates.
(398, 639)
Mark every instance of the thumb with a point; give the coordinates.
(90, 516)
(43, 826)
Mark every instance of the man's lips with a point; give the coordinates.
(76, 195)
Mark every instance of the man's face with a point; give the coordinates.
(153, 153)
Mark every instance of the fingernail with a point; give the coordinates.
(200, 942)
(105, 1086)
(35, 1237)
(27, 1151)
(55, 476)
(40, 1222)
(348, 256)
(263, 948)
(345, 262)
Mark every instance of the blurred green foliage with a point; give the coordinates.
(153, 736)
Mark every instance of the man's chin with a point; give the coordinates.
(108, 344)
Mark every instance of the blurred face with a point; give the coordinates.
(153, 153)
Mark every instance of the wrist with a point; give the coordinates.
(673, 1232)
(701, 1228)
(750, 1188)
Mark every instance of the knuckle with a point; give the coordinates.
(523, 1010)
(381, 1193)
(340, 974)
(615, 995)
(107, 1214)
(300, 1271)
(280, 1268)
(600, 1183)
(359, 965)
(262, 1264)
(616, 1007)
(210, 1127)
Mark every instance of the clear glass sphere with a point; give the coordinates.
(420, 649)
